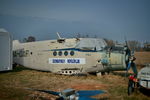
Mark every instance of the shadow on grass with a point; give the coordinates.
(145, 91)
(17, 68)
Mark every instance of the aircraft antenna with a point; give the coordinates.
(58, 35)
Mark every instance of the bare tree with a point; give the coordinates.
(29, 39)
(134, 45)
(78, 35)
(109, 42)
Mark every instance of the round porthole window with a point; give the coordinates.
(66, 53)
(71, 53)
(60, 53)
(54, 53)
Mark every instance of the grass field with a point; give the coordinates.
(142, 58)
(14, 84)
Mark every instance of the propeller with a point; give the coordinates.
(132, 65)
(130, 58)
(71, 94)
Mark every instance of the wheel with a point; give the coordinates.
(130, 87)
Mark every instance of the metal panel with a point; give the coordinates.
(144, 77)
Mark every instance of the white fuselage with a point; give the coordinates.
(67, 56)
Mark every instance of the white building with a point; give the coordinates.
(5, 50)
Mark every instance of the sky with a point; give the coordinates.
(112, 19)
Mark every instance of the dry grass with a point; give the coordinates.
(142, 58)
(13, 84)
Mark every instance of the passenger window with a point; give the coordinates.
(20, 53)
(17, 53)
(60, 53)
(66, 53)
(71, 53)
(54, 53)
(27, 52)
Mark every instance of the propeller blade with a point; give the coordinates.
(134, 69)
(129, 65)
(128, 45)
(132, 65)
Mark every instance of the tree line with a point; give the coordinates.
(132, 44)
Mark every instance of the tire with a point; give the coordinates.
(130, 87)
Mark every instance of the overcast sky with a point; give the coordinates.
(112, 19)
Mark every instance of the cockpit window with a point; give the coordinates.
(91, 44)
(118, 49)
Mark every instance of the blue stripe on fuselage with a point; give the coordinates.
(73, 49)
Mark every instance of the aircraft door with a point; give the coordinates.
(117, 58)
